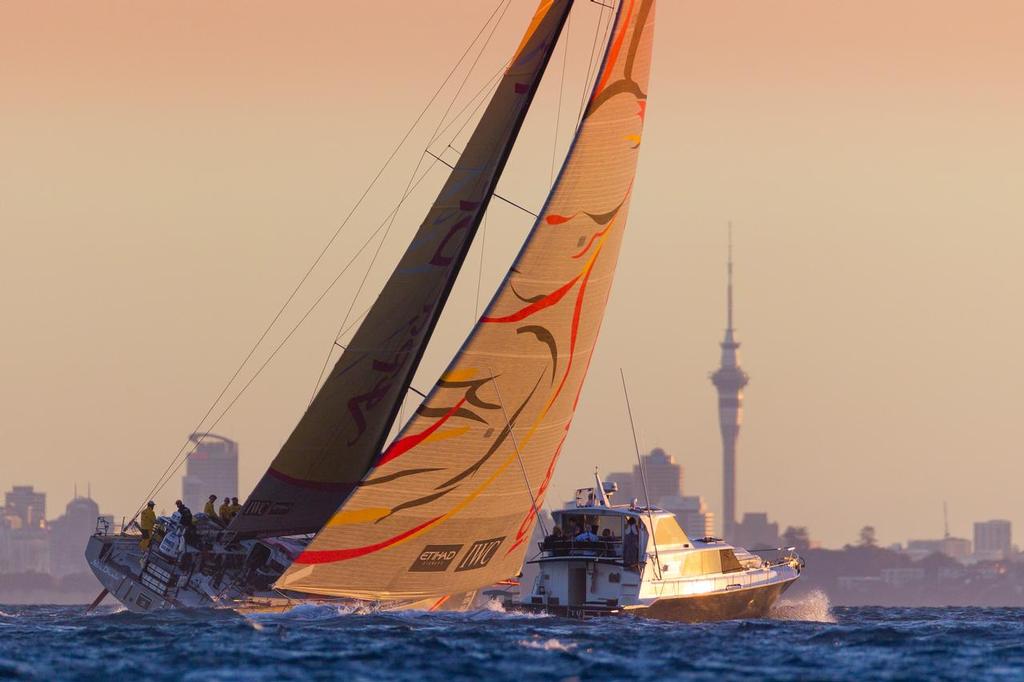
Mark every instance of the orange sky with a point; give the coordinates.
(170, 171)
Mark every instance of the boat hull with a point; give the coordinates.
(746, 603)
(213, 570)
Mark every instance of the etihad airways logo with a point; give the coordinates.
(480, 554)
(435, 558)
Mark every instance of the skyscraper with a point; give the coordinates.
(68, 534)
(729, 379)
(992, 540)
(212, 470)
(665, 486)
(24, 507)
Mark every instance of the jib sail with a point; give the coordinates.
(447, 507)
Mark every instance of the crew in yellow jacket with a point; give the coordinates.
(147, 520)
(209, 509)
(225, 511)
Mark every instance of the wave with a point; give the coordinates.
(550, 644)
(812, 607)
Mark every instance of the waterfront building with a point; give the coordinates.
(755, 531)
(664, 478)
(69, 534)
(954, 548)
(25, 508)
(692, 513)
(665, 486)
(212, 470)
(992, 540)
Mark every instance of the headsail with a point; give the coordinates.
(446, 508)
(346, 425)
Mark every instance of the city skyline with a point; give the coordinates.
(162, 203)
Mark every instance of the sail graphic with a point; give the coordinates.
(447, 507)
(347, 423)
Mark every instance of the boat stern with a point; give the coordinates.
(117, 562)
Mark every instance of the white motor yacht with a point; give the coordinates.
(604, 559)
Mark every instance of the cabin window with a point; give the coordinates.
(575, 523)
(693, 565)
(711, 561)
(668, 532)
(730, 564)
(702, 563)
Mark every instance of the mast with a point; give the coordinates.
(348, 421)
(447, 508)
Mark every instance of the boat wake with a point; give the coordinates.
(812, 607)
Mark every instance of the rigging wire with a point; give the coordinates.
(156, 488)
(480, 273)
(595, 56)
(166, 479)
(643, 475)
(406, 193)
(519, 456)
(172, 468)
(561, 91)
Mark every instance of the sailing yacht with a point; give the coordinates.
(447, 507)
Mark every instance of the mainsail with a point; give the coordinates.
(346, 425)
(450, 505)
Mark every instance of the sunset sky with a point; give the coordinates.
(170, 170)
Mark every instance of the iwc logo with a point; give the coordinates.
(435, 558)
(479, 554)
(266, 508)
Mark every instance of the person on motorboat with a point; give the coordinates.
(631, 544)
(556, 536)
(588, 535)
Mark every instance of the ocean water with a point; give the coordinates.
(805, 639)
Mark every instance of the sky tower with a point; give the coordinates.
(729, 379)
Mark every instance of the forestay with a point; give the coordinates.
(446, 509)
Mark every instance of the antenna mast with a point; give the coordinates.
(640, 464)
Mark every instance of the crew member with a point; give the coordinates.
(235, 507)
(147, 520)
(185, 519)
(224, 511)
(184, 513)
(209, 509)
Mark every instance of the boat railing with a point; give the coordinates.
(107, 526)
(588, 548)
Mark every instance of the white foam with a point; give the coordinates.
(551, 644)
(813, 607)
(495, 606)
